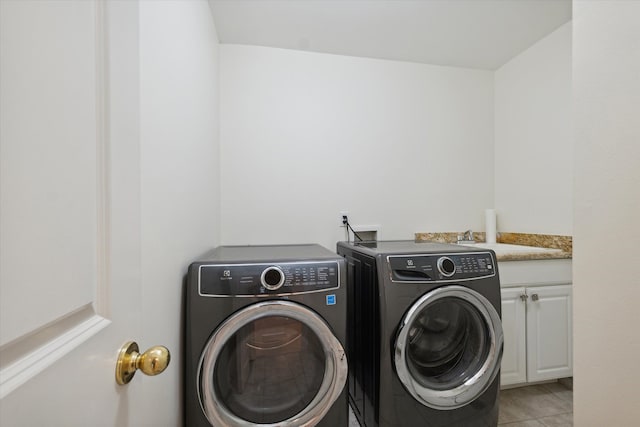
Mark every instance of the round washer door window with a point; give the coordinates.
(273, 363)
(449, 347)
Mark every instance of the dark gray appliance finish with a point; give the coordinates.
(423, 323)
(265, 333)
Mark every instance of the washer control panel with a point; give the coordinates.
(268, 279)
(441, 267)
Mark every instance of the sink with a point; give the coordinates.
(504, 248)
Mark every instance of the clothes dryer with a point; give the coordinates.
(424, 334)
(264, 338)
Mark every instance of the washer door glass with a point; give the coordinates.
(449, 347)
(274, 363)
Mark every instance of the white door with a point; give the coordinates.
(70, 213)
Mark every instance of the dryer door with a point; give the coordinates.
(273, 363)
(449, 347)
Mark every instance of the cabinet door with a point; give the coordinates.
(549, 333)
(514, 357)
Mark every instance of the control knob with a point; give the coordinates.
(446, 266)
(272, 278)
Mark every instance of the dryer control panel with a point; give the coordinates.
(441, 267)
(268, 279)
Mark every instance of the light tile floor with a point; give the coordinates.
(542, 405)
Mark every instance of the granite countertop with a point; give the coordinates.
(513, 246)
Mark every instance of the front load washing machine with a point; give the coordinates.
(424, 334)
(265, 333)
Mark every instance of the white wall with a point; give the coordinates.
(606, 96)
(180, 173)
(533, 134)
(304, 136)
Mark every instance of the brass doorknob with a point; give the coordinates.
(152, 362)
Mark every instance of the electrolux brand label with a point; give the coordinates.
(331, 299)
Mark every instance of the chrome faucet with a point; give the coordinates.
(466, 237)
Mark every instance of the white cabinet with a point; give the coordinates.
(549, 333)
(514, 325)
(537, 321)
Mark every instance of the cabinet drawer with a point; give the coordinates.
(538, 272)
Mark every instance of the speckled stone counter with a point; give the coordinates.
(560, 247)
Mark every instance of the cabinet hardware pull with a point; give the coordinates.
(524, 297)
(534, 297)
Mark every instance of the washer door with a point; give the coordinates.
(273, 363)
(449, 347)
